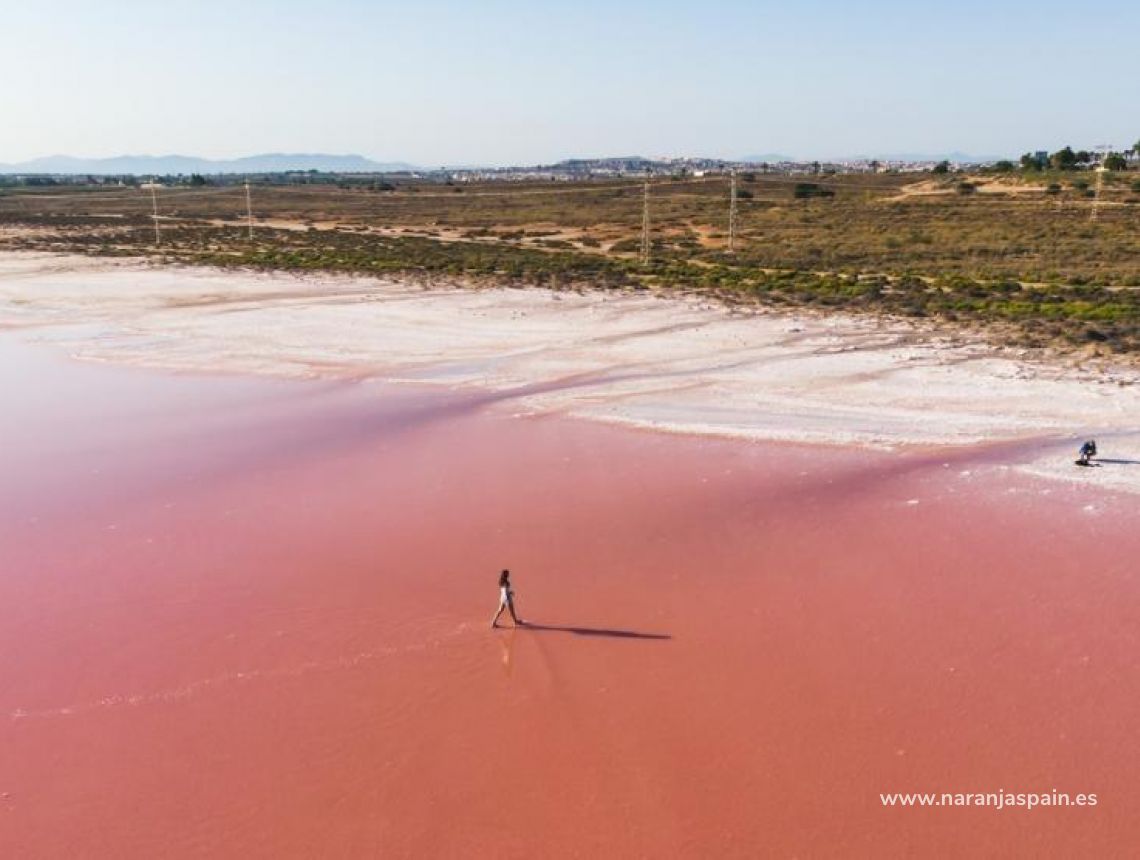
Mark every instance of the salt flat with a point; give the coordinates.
(672, 363)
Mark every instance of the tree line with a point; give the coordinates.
(1070, 159)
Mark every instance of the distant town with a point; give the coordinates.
(360, 172)
(356, 170)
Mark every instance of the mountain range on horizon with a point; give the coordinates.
(166, 165)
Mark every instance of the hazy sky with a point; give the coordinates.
(447, 82)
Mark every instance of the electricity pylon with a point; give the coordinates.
(645, 222)
(249, 210)
(1104, 151)
(154, 210)
(732, 215)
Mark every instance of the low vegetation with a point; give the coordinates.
(1021, 256)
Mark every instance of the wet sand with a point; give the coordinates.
(248, 617)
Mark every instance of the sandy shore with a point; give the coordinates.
(669, 363)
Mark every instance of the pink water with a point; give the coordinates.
(250, 618)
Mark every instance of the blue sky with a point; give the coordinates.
(439, 82)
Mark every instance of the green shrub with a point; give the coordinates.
(805, 190)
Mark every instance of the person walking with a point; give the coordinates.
(506, 600)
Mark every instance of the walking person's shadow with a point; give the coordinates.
(592, 631)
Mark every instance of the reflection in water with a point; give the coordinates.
(507, 643)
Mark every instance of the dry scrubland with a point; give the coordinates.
(1020, 259)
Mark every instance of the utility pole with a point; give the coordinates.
(732, 214)
(154, 210)
(249, 210)
(1104, 149)
(645, 221)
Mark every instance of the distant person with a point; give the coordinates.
(506, 600)
(1088, 451)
